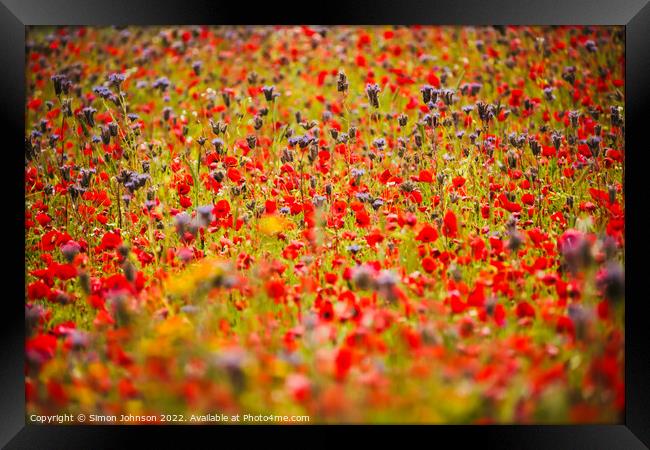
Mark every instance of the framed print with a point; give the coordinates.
(427, 216)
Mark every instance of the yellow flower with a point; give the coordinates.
(134, 407)
(55, 368)
(155, 347)
(175, 327)
(85, 396)
(271, 225)
(204, 271)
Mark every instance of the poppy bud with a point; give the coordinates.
(485, 111)
(512, 159)
(362, 277)
(611, 280)
(309, 125)
(455, 273)
(427, 93)
(257, 122)
(65, 172)
(196, 67)
(89, 115)
(372, 91)
(251, 140)
(447, 96)
(515, 240)
(286, 156)
(263, 111)
(70, 250)
(548, 93)
(123, 250)
(352, 134)
(557, 140)
(615, 117)
(269, 93)
(612, 193)
(61, 84)
(407, 186)
(218, 145)
(386, 283)
(106, 136)
(455, 117)
(181, 222)
(590, 46)
(342, 82)
(594, 145)
(33, 315)
(576, 250)
(120, 308)
(569, 75)
(313, 153)
(129, 271)
(30, 150)
(161, 83)
(418, 140)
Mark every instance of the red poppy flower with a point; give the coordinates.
(374, 237)
(477, 296)
(458, 181)
(528, 199)
(428, 264)
(427, 234)
(110, 241)
(362, 217)
(343, 362)
(42, 345)
(234, 175)
(450, 225)
(221, 209)
(276, 289)
(270, 205)
(425, 176)
(43, 219)
(37, 290)
(524, 309)
(331, 278)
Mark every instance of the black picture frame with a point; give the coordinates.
(633, 14)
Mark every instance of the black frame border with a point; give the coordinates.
(15, 15)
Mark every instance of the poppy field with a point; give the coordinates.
(351, 224)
